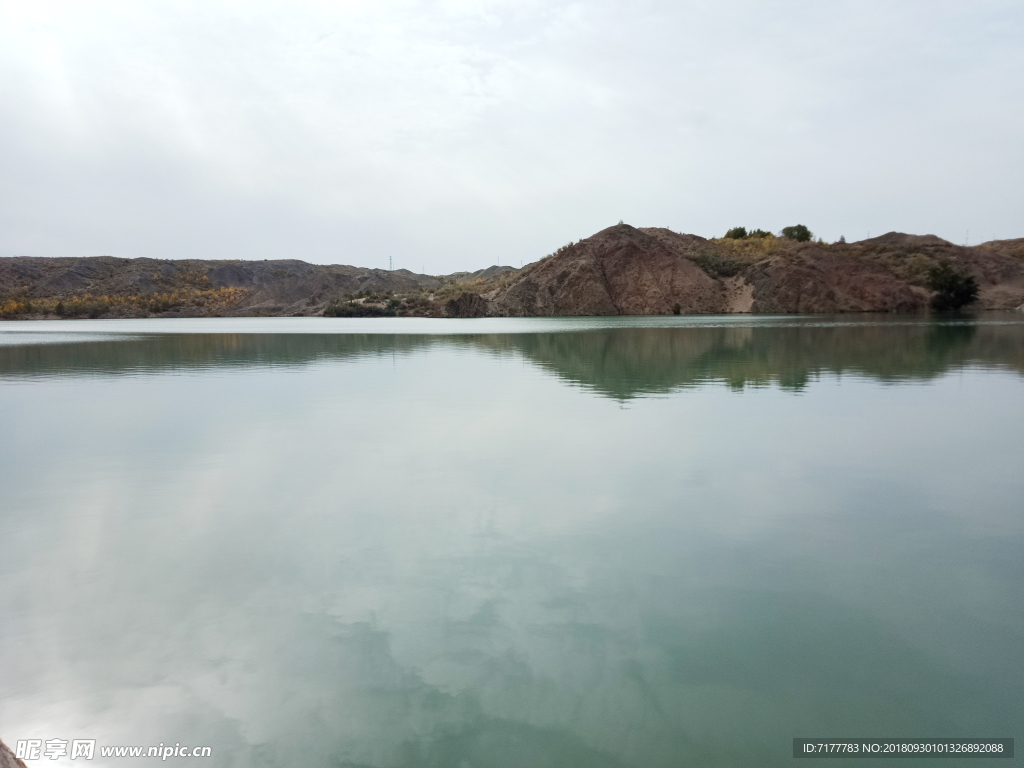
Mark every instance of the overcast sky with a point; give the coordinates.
(454, 135)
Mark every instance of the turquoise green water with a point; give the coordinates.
(605, 542)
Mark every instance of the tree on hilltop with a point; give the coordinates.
(799, 232)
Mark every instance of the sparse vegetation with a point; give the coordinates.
(131, 305)
(386, 304)
(736, 233)
(562, 250)
(953, 290)
(351, 308)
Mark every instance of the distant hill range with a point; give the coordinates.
(621, 270)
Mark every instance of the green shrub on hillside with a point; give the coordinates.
(740, 233)
(83, 307)
(799, 232)
(952, 289)
(337, 308)
(718, 266)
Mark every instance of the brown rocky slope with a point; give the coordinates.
(652, 271)
(8, 759)
(141, 287)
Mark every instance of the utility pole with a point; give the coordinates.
(390, 267)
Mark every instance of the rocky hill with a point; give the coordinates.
(627, 271)
(618, 271)
(105, 286)
(133, 287)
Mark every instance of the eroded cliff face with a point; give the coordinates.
(8, 758)
(618, 271)
(627, 271)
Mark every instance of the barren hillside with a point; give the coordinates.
(618, 271)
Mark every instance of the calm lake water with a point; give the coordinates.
(615, 542)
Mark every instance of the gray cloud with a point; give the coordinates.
(454, 134)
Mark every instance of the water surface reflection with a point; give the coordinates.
(620, 362)
(573, 549)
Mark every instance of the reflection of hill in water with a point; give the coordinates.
(627, 363)
(165, 352)
(619, 363)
